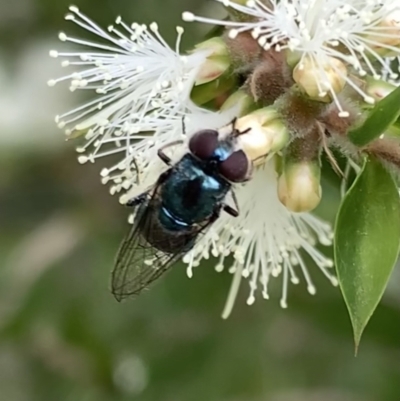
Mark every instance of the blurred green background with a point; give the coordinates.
(62, 335)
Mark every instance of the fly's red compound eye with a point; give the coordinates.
(203, 143)
(235, 168)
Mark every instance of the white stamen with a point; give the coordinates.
(139, 84)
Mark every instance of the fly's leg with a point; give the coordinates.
(166, 159)
(183, 126)
(229, 209)
(215, 215)
(137, 200)
(236, 132)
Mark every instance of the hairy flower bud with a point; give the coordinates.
(321, 81)
(271, 77)
(299, 186)
(300, 173)
(267, 133)
(244, 51)
(216, 63)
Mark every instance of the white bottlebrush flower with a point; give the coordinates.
(357, 33)
(266, 241)
(142, 103)
(138, 83)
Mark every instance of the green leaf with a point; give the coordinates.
(381, 117)
(367, 239)
(393, 131)
(202, 94)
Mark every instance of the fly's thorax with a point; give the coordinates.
(193, 192)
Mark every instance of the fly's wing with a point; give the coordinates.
(148, 252)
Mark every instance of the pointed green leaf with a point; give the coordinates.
(204, 93)
(367, 238)
(393, 131)
(381, 117)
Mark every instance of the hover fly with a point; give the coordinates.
(184, 202)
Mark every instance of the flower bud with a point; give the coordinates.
(241, 101)
(388, 30)
(267, 134)
(300, 172)
(320, 80)
(377, 88)
(216, 63)
(299, 186)
(293, 57)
